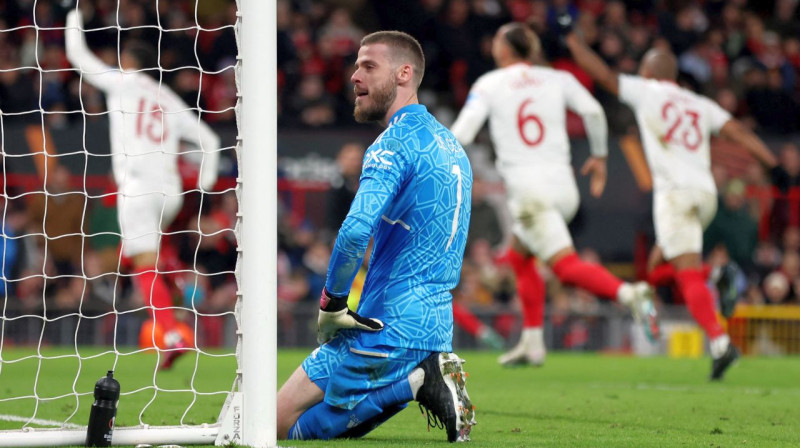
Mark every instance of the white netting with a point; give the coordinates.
(82, 144)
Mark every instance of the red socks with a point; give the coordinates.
(691, 283)
(664, 274)
(589, 276)
(466, 320)
(156, 293)
(530, 288)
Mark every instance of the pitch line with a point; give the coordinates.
(38, 421)
(690, 388)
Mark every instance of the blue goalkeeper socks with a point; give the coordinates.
(323, 421)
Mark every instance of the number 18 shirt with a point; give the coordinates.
(147, 121)
(675, 126)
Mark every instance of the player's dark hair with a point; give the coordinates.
(522, 40)
(145, 55)
(404, 47)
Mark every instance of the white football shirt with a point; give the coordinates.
(675, 125)
(147, 122)
(526, 107)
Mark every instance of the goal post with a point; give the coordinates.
(245, 414)
(259, 196)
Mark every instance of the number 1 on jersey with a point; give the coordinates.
(459, 198)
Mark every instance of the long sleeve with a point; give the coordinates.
(472, 116)
(583, 103)
(199, 134)
(377, 189)
(209, 168)
(80, 56)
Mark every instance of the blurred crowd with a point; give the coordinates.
(744, 54)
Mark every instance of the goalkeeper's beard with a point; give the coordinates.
(380, 100)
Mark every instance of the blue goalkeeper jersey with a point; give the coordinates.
(414, 198)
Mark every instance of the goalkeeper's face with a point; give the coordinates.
(375, 83)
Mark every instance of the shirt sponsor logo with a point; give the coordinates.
(378, 158)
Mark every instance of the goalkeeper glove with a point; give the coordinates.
(334, 316)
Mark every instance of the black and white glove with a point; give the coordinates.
(334, 316)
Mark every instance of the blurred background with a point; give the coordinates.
(743, 54)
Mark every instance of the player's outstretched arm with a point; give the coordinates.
(736, 132)
(80, 56)
(591, 63)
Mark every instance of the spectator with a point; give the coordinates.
(58, 213)
(733, 226)
(485, 222)
(343, 189)
(782, 210)
(776, 288)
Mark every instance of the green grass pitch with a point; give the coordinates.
(575, 400)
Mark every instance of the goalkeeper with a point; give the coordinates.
(414, 199)
(147, 123)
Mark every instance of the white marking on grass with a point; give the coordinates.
(713, 389)
(37, 421)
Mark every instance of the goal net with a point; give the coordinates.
(125, 211)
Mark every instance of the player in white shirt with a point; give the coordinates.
(526, 107)
(676, 125)
(147, 123)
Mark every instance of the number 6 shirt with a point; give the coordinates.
(675, 126)
(147, 122)
(526, 106)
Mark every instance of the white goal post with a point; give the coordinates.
(248, 416)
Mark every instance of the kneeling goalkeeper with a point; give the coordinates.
(414, 200)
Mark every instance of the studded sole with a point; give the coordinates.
(455, 378)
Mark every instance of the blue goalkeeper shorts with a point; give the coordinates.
(347, 371)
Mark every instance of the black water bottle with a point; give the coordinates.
(104, 410)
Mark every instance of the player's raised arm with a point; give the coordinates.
(591, 63)
(80, 56)
(472, 116)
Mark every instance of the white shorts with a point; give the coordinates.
(142, 218)
(541, 213)
(680, 216)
